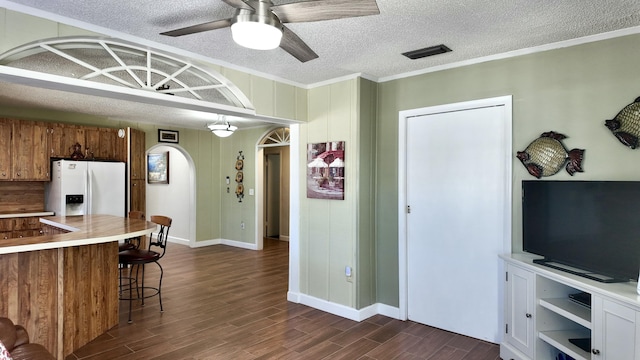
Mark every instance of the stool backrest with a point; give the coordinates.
(162, 234)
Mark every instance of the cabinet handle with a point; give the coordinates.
(528, 315)
(595, 351)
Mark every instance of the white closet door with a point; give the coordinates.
(456, 180)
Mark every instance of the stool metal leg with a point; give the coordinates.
(160, 286)
(130, 297)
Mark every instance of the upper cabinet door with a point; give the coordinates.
(104, 144)
(30, 158)
(63, 137)
(5, 145)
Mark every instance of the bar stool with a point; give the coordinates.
(132, 243)
(140, 257)
(128, 244)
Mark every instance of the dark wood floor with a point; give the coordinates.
(222, 302)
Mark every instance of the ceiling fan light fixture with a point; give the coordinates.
(256, 35)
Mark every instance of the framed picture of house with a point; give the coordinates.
(158, 168)
(168, 136)
(325, 170)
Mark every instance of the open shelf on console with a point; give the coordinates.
(569, 309)
(559, 339)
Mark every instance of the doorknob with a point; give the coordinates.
(528, 315)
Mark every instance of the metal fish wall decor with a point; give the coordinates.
(626, 125)
(546, 155)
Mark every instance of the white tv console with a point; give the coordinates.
(540, 318)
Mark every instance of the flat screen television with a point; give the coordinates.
(589, 228)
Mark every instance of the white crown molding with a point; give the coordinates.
(516, 53)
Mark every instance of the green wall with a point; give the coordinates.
(570, 90)
(327, 227)
(217, 216)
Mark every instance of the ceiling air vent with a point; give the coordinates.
(430, 51)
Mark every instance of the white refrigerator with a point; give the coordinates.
(86, 187)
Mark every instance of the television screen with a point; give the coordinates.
(593, 226)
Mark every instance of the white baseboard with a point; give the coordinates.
(344, 311)
(238, 244)
(176, 240)
(203, 243)
(320, 304)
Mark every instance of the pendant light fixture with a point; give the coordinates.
(222, 128)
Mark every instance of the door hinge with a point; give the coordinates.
(506, 276)
(506, 328)
(408, 209)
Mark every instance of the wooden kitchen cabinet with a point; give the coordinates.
(6, 227)
(137, 170)
(138, 195)
(5, 146)
(104, 144)
(30, 151)
(138, 154)
(26, 227)
(62, 137)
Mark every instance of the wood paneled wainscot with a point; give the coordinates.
(64, 287)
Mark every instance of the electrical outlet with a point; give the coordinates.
(242, 225)
(348, 272)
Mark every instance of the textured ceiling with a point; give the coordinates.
(371, 45)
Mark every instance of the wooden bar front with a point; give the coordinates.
(66, 296)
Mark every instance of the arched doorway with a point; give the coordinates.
(169, 199)
(272, 177)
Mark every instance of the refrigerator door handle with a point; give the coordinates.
(88, 191)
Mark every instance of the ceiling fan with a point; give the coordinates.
(258, 24)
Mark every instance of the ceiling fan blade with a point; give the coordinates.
(318, 10)
(292, 44)
(212, 25)
(238, 4)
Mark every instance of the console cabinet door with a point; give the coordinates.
(519, 310)
(616, 330)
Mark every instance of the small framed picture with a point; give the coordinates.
(158, 168)
(168, 136)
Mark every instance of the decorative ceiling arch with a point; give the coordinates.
(121, 63)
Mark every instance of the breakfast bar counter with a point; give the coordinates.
(63, 286)
(79, 230)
